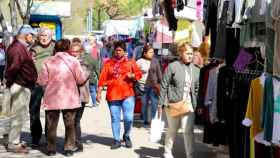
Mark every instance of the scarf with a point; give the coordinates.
(116, 68)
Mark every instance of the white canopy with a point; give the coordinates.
(123, 27)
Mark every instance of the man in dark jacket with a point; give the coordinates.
(20, 76)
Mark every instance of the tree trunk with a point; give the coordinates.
(99, 19)
(13, 15)
(6, 34)
(27, 14)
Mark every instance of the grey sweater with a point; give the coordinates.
(172, 85)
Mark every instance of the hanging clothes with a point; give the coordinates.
(254, 106)
(276, 112)
(220, 47)
(170, 16)
(267, 116)
(180, 5)
(156, 8)
(211, 23)
(276, 17)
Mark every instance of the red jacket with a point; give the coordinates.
(20, 67)
(121, 87)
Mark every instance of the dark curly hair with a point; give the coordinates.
(62, 45)
(120, 44)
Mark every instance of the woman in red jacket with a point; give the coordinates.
(119, 74)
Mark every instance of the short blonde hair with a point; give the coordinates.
(182, 47)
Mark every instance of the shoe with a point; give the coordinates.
(68, 153)
(116, 145)
(20, 149)
(127, 141)
(51, 153)
(78, 148)
(34, 145)
(146, 125)
(168, 155)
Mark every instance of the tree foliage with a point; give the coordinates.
(117, 9)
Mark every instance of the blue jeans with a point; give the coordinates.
(127, 106)
(149, 94)
(92, 89)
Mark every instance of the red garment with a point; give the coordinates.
(119, 86)
(20, 67)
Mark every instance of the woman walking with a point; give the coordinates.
(59, 77)
(119, 75)
(150, 82)
(180, 83)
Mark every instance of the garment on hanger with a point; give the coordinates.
(170, 16)
(156, 9)
(220, 48)
(276, 17)
(243, 59)
(211, 23)
(180, 5)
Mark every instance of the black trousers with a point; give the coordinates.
(69, 124)
(34, 111)
(2, 68)
(78, 118)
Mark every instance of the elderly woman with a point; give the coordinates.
(119, 75)
(180, 83)
(59, 77)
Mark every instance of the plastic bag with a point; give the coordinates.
(157, 127)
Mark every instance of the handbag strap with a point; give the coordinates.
(68, 67)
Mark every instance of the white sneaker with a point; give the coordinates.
(168, 155)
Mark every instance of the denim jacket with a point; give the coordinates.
(172, 85)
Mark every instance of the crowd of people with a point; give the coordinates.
(63, 76)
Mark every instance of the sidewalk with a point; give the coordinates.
(97, 136)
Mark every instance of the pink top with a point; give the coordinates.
(60, 82)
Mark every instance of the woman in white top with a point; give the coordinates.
(149, 83)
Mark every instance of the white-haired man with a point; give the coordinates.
(41, 51)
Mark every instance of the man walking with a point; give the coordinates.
(20, 76)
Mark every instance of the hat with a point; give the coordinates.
(26, 29)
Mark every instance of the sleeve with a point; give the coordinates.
(249, 112)
(159, 72)
(103, 76)
(43, 77)
(14, 61)
(165, 84)
(210, 89)
(81, 75)
(97, 68)
(136, 70)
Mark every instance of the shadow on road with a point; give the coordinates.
(145, 152)
(107, 141)
(26, 137)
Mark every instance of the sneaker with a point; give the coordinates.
(68, 153)
(78, 148)
(168, 155)
(127, 141)
(34, 145)
(116, 145)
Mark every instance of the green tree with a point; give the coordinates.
(116, 9)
